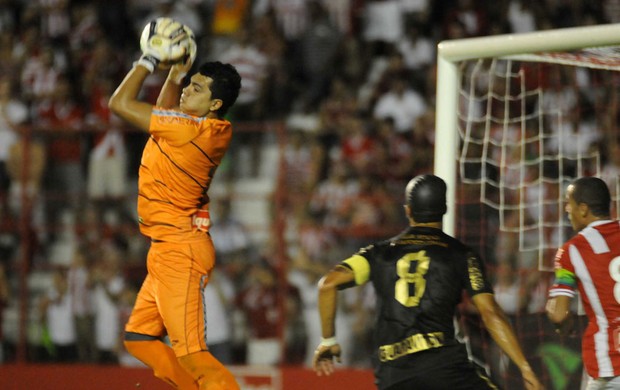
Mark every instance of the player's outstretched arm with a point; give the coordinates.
(329, 349)
(502, 333)
(124, 101)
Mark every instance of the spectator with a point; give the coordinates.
(26, 166)
(470, 15)
(402, 103)
(55, 19)
(64, 241)
(55, 308)
(79, 285)
(100, 65)
(303, 158)
(291, 16)
(259, 303)
(332, 196)
(40, 74)
(372, 211)
(9, 238)
(395, 155)
(522, 16)
(232, 242)
(219, 295)
(357, 145)
(383, 23)
(416, 11)
(251, 63)
(125, 305)
(108, 285)
(107, 160)
(13, 112)
(418, 51)
(318, 49)
(337, 106)
(62, 119)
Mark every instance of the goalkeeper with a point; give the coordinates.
(188, 139)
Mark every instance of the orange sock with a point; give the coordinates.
(163, 361)
(208, 372)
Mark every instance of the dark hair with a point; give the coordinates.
(226, 83)
(593, 192)
(426, 198)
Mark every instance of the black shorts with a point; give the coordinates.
(437, 369)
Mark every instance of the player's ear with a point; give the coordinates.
(216, 104)
(583, 209)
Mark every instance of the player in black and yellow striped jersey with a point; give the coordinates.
(419, 277)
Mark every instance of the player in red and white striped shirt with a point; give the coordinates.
(590, 263)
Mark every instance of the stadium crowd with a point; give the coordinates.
(352, 81)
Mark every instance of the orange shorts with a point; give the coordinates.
(171, 298)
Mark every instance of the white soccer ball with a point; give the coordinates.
(165, 39)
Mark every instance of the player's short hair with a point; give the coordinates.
(226, 83)
(593, 192)
(426, 198)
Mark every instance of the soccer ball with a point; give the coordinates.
(165, 39)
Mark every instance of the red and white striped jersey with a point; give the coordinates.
(590, 261)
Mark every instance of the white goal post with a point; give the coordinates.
(451, 52)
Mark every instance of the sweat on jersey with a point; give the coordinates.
(590, 263)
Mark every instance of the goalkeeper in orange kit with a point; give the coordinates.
(188, 139)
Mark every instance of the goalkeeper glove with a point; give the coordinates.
(163, 40)
(179, 70)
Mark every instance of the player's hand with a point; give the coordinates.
(179, 70)
(566, 327)
(324, 357)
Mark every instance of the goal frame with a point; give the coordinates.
(451, 52)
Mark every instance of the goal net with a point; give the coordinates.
(518, 118)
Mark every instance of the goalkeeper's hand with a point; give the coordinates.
(324, 356)
(163, 43)
(179, 70)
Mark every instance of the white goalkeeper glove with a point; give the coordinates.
(163, 41)
(179, 70)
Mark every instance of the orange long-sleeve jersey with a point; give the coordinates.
(178, 164)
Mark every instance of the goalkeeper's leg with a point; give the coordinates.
(162, 360)
(208, 372)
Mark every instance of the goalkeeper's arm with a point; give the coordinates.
(124, 101)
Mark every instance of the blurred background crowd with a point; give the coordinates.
(351, 84)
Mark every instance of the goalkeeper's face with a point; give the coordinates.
(197, 98)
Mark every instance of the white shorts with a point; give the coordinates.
(611, 383)
(107, 177)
